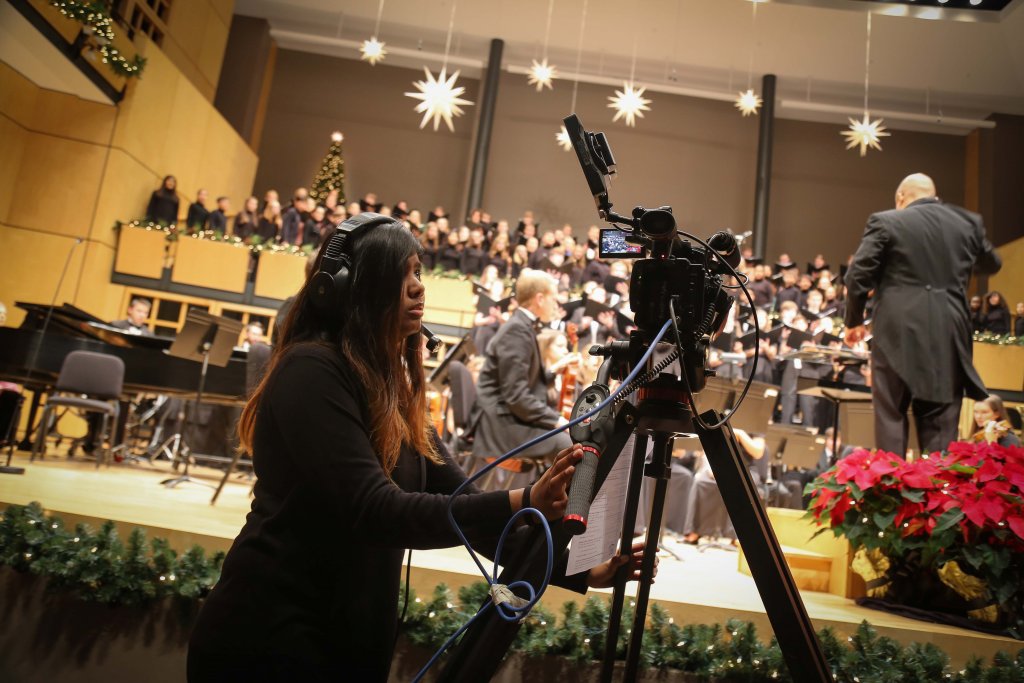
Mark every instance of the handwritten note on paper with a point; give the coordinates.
(604, 525)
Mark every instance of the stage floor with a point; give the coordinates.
(703, 587)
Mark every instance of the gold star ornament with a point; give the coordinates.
(336, 136)
(439, 98)
(864, 134)
(564, 142)
(629, 103)
(541, 75)
(748, 102)
(373, 51)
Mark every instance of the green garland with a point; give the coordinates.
(254, 243)
(998, 339)
(99, 567)
(96, 20)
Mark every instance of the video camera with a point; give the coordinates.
(674, 268)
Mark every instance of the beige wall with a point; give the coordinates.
(1009, 281)
(698, 156)
(71, 168)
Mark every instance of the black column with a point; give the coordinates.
(488, 96)
(765, 143)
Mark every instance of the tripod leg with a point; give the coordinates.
(636, 475)
(660, 464)
(781, 598)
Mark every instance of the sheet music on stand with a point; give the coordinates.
(202, 328)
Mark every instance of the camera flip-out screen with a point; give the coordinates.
(613, 245)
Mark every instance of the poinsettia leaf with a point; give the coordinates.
(884, 521)
(1016, 524)
(948, 520)
(855, 491)
(912, 495)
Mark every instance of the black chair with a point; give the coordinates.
(461, 403)
(91, 383)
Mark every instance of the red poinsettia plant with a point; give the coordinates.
(964, 504)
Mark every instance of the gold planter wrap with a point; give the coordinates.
(279, 276)
(206, 263)
(873, 567)
(141, 252)
(970, 588)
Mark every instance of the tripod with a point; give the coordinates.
(661, 414)
(180, 445)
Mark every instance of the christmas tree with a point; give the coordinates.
(331, 175)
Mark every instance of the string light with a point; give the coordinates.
(865, 134)
(630, 103)
(562, 136)
(439, 98)
(374, 50)
(542, 73)
(748, 102)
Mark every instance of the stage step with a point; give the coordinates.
(820, 564)
(812, 571)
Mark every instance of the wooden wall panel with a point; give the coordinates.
(17, 95)
(12, 142)
(124, 194)
(30, 267)
(94, 291)
(1010, 280)
(67, 116)
(57, 186)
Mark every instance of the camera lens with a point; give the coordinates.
(658, 223)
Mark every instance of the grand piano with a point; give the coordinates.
(28, 357)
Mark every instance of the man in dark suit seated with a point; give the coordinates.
(918, 260)
(512, 386)
(135, 321)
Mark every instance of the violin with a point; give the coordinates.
(567, 398)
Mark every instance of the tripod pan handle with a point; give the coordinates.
(581, 491)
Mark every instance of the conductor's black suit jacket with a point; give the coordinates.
(919, 260)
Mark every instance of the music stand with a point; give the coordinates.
(204, 339)
(837, 395)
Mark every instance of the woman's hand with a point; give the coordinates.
(603, 575)
(550, 494)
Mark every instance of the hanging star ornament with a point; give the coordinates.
(629, 103)
(541, 75)
(439, 99)
(864, 134)
(373, 51)
(562, 137)
(748, 102)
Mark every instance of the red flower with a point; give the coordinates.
(844, 503)
(919, 474)
(864, 469)
(988, 471)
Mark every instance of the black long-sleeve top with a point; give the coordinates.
(996, 321)
(473, 260)
(162, 208)
(309, 589)
(449, 257)
(197, 216)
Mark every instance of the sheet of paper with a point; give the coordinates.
(604, 525)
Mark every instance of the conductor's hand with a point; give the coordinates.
(855, 334)
(603, 575)
(550, 494)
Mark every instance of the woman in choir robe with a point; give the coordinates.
(163, 203)
(350, 473)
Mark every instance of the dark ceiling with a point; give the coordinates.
(983, 5)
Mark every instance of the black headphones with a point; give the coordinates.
(330, 283)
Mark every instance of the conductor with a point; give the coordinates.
(918, 259)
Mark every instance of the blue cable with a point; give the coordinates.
(508, 612)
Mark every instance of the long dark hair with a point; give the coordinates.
(367, 333)
(1001, 306)
(163, 187)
